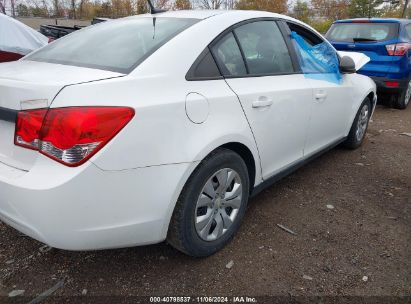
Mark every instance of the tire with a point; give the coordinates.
(359, 127)
(186, 232)
(403, 99)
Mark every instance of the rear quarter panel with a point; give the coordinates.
(160, 132)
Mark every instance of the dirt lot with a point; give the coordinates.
(361, 247)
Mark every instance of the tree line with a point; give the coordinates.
(319, 13)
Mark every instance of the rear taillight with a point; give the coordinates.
(70, 135)
(399, 49)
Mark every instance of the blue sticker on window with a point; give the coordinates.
(319, 61)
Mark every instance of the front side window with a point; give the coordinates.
(318, 59)
(264, 48)
(117, 45)
(228, 56)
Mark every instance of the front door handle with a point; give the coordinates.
(262, 102)
(321, 96)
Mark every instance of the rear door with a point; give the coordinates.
(370, 38)
(256, 62)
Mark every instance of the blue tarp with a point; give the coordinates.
(317, 61)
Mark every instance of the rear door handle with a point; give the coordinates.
(262, 102)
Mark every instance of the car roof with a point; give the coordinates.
(192, 14)
(205, 14)
(374, 20)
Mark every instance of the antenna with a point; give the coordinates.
(153, 10)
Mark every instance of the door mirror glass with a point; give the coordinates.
(347, 65)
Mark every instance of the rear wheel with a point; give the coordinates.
(403, 99)
(211, 206)
(359, 126)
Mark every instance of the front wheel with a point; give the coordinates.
(359, 126)
(211, 206)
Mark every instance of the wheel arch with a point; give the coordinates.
(247, 156)
(243, 150)
(371, 95)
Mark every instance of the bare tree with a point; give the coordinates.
(182, 5)
(13, 8)
(56, 7)
(230, 4)
(3, 6)
(405, 9)
(211, 4)
(162, 4)
(73, 9)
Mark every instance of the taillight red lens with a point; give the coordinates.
(28, 128)
(399, 49)
(72, 135)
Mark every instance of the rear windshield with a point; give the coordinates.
(118, 45)
(363, 32)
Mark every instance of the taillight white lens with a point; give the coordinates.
(71, 135)
(399, 49)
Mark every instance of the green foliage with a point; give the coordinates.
(301, 11)
(38, 12)
(321, 25)
(23, 10)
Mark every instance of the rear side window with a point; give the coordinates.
(363, 32)
(228, 56)
(204, 68)
(264, 48)
(118, 45)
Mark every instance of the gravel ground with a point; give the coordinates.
(351, 211)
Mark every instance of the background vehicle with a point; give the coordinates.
(99, 20)
(17, 39)
(388, 43)
(54, 32)
(148, 139)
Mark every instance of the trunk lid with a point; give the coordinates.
(28, 85)
(380, 62)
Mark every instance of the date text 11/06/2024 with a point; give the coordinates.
(240, 299)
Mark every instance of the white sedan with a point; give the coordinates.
(160, 127)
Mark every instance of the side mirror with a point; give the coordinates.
(347, 65)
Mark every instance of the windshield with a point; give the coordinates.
(118, 45)
(363, 32)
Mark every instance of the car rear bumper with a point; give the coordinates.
(86, 208)
(382, 86)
